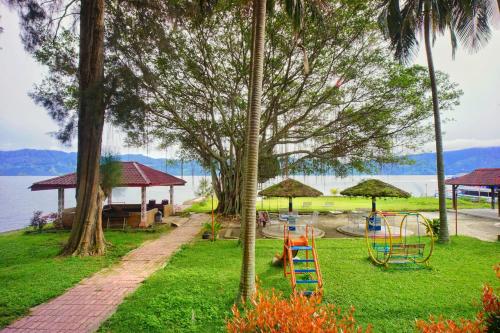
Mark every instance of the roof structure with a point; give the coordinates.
(290, 188)
(134, 174)
(375, 188)
(478, 177)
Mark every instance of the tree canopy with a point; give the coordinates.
(186, 82)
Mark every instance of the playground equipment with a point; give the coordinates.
(390, 241)
(296, 267)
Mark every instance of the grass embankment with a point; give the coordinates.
(31, 271)
(323, 204)
(195, 291)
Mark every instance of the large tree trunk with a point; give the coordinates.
(443, 230)
(87, 237)
(247, 287)
(227, 189)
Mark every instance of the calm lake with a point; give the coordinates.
(17, 202)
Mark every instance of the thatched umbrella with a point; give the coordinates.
(375, 188)
(290, 188)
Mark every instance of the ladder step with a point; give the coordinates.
(305, 270)
(303, 260)
(306, 281)
(301, 247)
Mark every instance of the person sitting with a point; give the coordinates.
(263, 218)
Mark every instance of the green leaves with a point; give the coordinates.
(111, 172)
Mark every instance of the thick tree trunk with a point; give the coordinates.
(247, 287)
(87, 237)
(443, 230)
(228, 191)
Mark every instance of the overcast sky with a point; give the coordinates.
(25, 125)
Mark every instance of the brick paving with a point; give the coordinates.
(85, 306)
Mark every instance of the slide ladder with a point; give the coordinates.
(305, 273)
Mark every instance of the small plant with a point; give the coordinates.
(334, 191)
(207, 228)
(38, 221)
(434, 226)
(111, 172)
(270, 312)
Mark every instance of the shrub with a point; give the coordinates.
(434, 226)
(38, 221)
(334, 191)
(208, 227)
(269, 312)
(487, 320)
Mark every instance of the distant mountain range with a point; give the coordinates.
(33, 162)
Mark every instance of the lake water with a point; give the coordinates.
(17, 202)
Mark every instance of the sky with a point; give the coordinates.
(474, 123)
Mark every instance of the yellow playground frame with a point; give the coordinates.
(386, 246)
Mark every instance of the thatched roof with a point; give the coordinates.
(375, 188)
(290, 188)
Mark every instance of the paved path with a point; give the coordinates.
(485, 213)
(85, 306)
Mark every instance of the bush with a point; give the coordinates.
(334, 191)
(487, 320)
(434, 226)
(269, 312)
(208, 227)
(38, 221)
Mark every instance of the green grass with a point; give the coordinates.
(423, 204)
(195, 291)
(31, 271)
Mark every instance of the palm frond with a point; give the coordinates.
(471, 20)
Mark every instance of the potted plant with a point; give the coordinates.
(207, 230)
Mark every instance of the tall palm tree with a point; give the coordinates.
(247, 285)
(467, 18)
(295, 10)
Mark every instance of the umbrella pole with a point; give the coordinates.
(290, 204)
(374, 204)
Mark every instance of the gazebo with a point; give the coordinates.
(488, 177)
(133, 174)
(375, 188)
(290, 188)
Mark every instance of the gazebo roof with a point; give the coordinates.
(290, 188)
(478, 177)
(375, 188)
(134, 174)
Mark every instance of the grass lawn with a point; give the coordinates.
(422, 204)
(195, 291)
(32, 273)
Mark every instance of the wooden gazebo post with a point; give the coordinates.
(493, 197)
(143, 222)
(498, 193)
(172, 198)
(455, 205)
(60, 203)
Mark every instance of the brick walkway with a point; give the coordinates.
(85, 306)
